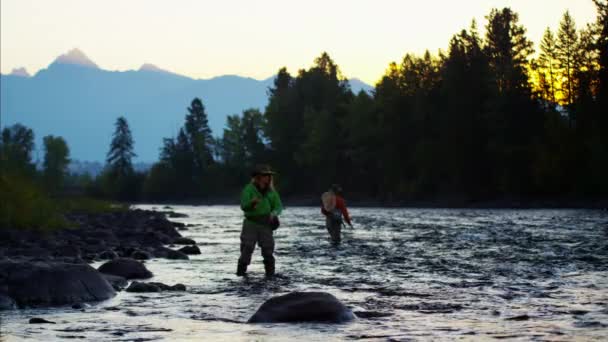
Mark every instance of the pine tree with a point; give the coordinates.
(514, 118)
(602, 47)
(119, 157)
(56, 161)
(548, 59)
(199, 136)
(508, 50)
(567, 43)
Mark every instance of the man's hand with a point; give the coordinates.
(254, 202)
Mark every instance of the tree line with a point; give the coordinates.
(486, 119)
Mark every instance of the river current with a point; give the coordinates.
(409, 274)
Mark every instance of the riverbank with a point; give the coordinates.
(52, 267)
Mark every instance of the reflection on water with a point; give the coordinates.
(409, 273)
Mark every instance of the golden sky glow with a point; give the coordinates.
(202, 39)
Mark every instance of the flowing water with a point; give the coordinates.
(410, 274)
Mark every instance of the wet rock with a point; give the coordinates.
(143, 287)
(68, 251)
(178, 287)
(89, 258)
(184, 241)
(112, 308)
(38, 320)
(303, 307)
(178, 224)
(126, 268)
(372, 314)
(590, 324)
(154, 287)
(169, 253)
(108, 255)
(431, 308)
(518, 318)
(579, 312)
(52, 283)
(141, 255)
(173, 214)
(190, 250)
(117, 282)
(162, 225)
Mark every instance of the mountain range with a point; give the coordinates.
(79, 101)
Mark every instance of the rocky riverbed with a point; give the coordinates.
(51, 268)
(404, 273)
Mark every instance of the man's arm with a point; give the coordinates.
(342, 206)
(248, 200)
(277, 206)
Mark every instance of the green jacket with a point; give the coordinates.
(269, 204)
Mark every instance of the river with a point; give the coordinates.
(412, 274)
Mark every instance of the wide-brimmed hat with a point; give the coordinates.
(262, 169)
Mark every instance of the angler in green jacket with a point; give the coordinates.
(261, 204)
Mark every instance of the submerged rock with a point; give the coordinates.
(303, 307)
(38, 320)
(168, 253)
(51, 283)
(372, 314)
(126, 268)
(154, 287)
(184, 241)
(191, 250)
(173, 214)
(78, 306)
(143, 287)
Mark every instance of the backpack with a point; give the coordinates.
(329, 204)
(329, 201)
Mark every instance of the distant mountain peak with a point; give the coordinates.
(356, 85)
(152, 67)
(76, 57)
(21, 72)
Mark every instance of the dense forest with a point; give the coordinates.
(492, 117)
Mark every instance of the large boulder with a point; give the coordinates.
(27, 283)
(303, 307)
(118, 283)
(126, 268)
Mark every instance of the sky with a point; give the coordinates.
(203, 39)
